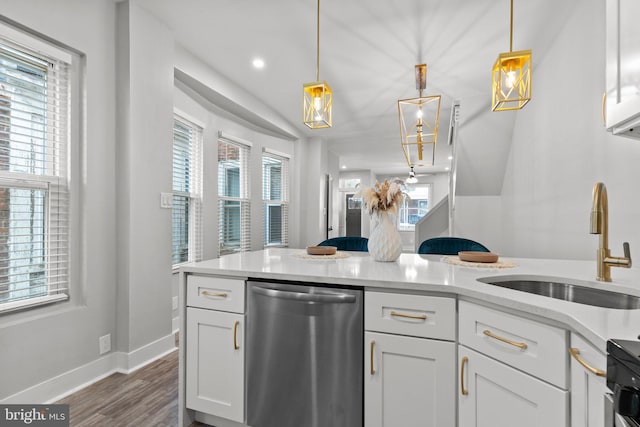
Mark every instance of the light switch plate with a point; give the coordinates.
(166, 200)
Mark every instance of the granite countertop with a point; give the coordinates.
(430, 274)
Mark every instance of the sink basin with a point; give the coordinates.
(553, 288)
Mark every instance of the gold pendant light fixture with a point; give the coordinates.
(419, 119)
(317, 96)
(511, 77)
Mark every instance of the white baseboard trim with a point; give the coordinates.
(62, 385)
(129, 362)
(175, 324)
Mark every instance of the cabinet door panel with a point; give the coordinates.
(412, 382)
(587, 389)
(500, 396)
(215, 363)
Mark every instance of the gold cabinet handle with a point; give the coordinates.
(520, 345)
(409, 316)
(371, 368)
(235, 335)
(604, 109)
(575, 353)
(215, 294)
(463, 390)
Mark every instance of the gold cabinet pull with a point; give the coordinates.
(520, 345)
(371, 368)
(604, 109)
(215, 294)
(409, 316)
(463, 390)
(576, 355)
(235, 335)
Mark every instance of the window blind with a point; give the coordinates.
(275, 196)
(34, 179)
(234, 207)
(187, 194)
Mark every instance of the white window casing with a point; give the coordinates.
(275, 196)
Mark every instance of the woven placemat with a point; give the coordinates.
(501, 263)
(337, 255)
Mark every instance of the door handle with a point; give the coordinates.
(372, 370)
(235, 335)
(306, 297)
(520, 345)
(463, 390)
(575, 353)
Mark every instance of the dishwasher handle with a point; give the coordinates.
(328, 298)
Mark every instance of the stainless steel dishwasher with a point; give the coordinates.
(305, 356)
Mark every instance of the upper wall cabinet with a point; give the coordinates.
(622, 106)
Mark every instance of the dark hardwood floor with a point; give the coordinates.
(147, 397)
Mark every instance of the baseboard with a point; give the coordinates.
(60, 386)
(175, 324)
(129, 362)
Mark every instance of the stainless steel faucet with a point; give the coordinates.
(599, 225)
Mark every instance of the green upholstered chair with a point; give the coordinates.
(449, 246)
(348, 243)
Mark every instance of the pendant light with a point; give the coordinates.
(412, 177)
(419, 119)
(317, 96)
(511, 77)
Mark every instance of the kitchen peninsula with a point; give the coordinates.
(472, 321)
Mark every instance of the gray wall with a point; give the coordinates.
(46, 342)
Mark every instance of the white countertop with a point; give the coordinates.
(429, 274)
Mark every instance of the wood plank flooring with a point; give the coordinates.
(147, 397)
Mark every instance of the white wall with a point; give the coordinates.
(560, 149)
(479, 218)
(42, 343)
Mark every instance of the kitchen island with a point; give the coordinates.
(474, 303)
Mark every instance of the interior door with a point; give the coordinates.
(353, 218)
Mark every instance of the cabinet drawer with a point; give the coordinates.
(216, 293)
(538, 349)
(415, 315)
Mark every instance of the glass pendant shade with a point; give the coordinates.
(419, 118)
(511, 81)
(317, 105)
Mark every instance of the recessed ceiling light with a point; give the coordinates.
(447, 168)
(450, 157)
(344, 166)
(258, 63)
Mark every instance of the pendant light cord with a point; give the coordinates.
(318, 44)
(510, 29)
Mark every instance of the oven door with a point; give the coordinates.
(626, 406)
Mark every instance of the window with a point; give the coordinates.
(187, 182)
(414, 207)
(34, 177)
(233, 196)
(275, 194)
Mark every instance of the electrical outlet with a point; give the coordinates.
(174, 303)
(105, 343)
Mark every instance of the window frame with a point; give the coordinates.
(243, 199)
(193, 197)
(283, 202)
(404, 208)
(60, 212)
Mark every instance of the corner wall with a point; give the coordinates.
(560, 149)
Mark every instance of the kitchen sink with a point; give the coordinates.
(553, 288)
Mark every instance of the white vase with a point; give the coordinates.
(385, 243)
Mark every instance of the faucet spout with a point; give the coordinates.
(600, 225)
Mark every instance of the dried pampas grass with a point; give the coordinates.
(383, 197)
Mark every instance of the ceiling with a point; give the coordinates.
(367, 56)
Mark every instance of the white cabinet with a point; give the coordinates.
(409, 380)
(512, 370)
(493, 394)
(588, 384)
(215, 352)
(622, 69)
